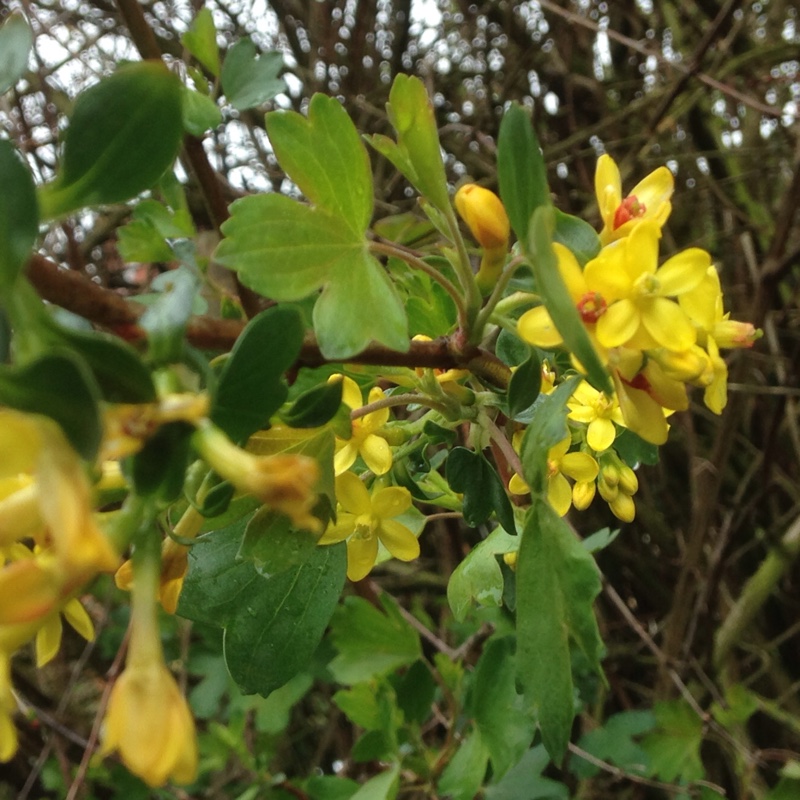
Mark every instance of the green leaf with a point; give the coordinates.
(525, 385)
(272, 545)
(471, 474)
(417, 153)
(674, 746)
(525, 782)
(16, 41)
(634, 450)
(200, 112)
(463, 776)
(165, 319)
(577, 235)
(479, 578)
(615, 742)
(201, 41)
(251, 387)
(272, 625)
(381, 787)
(329, 787)
(123, 134)
(60, 386)
(324, 155)
(557, 300)
(285, 250)
(249, 78)
(415, 690)
(117, 367)
(19, 214)
(315, 406)
(506, 729)
(521, 172)
(557, 582)
(369, 642)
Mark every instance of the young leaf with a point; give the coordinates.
(370, 643)
(324, 155)
(201, 41)
(557, 300)
(272, 625)
(417, 153)
(60, 386)
(525, 384)
(557, 582)
(249, 78)
(200, 112)
(478, 578)
(16, 40)
(521, 172)
(19, 214)
(123, 134)
(251, 386)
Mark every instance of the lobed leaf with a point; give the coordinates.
(250, 78)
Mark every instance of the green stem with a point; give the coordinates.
(756, 592)
(466, 278)
(406, 399)
(497, 294)
(122, 527)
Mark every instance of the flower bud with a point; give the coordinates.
(510, 560)
(623, 507)
(485, 216)
(729, 333)
(583, 493)
(628, 482)
(608, 492)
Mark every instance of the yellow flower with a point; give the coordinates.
(649, 199)
(599, 412)
(365, 520)
(147, 720)
(149, 724)
(365, 440)
(536, 325)
(640, 313)
(579, 466)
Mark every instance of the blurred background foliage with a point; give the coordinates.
(701, 601)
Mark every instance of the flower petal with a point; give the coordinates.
(377, 454)
(351, 394)
(390, 502)
(361, 555)
(559, 493)
(352, 495)
(618, 324)
(683, 272)
(655, 190)
(667, 323)
(579, 466)
(398, 540)
(601, 434)
(536, 327)
(608, 188)
(338, 531)
(344, 457)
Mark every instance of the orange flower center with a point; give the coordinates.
(630, 208)
(591, 307)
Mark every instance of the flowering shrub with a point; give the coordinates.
(507, 379)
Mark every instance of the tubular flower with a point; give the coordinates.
(147, 720)
(648, 200)
(704, 305)
(366, 520)
(641, 314)
(365, 440)
(599, 412)
(284, 482)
